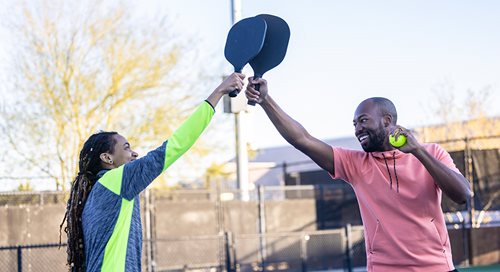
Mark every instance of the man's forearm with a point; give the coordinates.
(291, 130)
(294, 133)
(451, 183)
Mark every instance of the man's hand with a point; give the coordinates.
(252, 94)
(412, 145)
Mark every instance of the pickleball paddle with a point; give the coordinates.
(274, 49)
(244, 41)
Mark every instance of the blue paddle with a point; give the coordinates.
(274, 49)
(244, 41)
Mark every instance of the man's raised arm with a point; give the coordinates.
(292, 131)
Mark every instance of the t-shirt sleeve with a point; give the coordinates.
(343, 164)
(443, 156)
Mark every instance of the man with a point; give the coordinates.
(398, 189)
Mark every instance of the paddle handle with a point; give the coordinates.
(257, 88)
(234, 93)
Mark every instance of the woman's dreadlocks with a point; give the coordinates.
(89, 165)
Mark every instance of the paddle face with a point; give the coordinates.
(274, 49)
(275, 45)
(244, 41)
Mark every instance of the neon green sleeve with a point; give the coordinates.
(187, 134)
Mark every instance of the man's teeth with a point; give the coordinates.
(363, 137)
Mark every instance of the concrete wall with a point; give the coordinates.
(241, 217)
(185, 218)
(182, 218)
(290, 215)
(32, 224)
(37, 224)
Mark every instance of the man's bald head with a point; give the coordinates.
(384, 106)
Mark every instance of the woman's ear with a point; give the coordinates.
(106, 158)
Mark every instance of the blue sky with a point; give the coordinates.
(341, 52)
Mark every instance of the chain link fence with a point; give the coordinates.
(327, 250)
(28, 258)
(295, 251)
(301, 251)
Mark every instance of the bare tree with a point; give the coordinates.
(460, 119)
(80, 67)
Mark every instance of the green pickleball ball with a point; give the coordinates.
(399, 142)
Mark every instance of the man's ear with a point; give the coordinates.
(387, 120)
(106, 158)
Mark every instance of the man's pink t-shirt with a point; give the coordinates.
(403, 224)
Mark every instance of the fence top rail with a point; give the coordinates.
(253, 235)
(10, 193)
(31, 246)
(189, 238)
(298, 233)
(465, 139)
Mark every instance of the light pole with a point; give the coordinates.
(237, 106)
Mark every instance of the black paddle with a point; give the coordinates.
(244, 41)
(274, 49)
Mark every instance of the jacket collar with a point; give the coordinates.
(101, 173)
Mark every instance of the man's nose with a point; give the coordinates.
(135, 154)
(358, 128)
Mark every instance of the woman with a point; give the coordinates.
(103, 211)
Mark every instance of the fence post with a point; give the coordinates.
(465, 241)
(262, 226)
(348, 250)
(469, 175)
(19, 259)
(303, 251)
(320, 206)
(284, 170)
(228, 246)
(147, 225)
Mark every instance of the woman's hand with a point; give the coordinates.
(231, 83)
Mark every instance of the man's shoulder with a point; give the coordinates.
(347, 150)
(433, 148)
(350, 153)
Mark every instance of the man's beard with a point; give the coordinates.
(376, 140)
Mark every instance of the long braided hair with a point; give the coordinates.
(89, 165)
